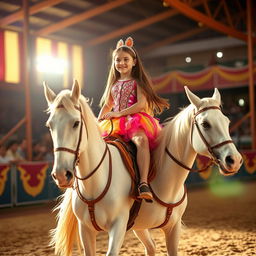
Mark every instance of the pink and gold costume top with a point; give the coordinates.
(124, 94)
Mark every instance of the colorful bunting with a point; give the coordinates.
(215, 76)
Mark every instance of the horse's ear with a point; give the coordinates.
(49, 94)
(216, 95)
(75, 92)
(195, 100)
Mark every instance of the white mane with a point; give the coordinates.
(64, 98)
(173, 133)
(176, 131)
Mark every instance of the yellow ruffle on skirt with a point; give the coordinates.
(127, 126)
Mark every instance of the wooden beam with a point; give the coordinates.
(229, 19)
(238, 123)
(217, 10)
(81, 17)
(208, 21)
(133, 27)
(250, 70)
(172, 39)
(136, 26)
(32, 10)
(12, 131)
(207, 9)
(181, 36)
(26, 66)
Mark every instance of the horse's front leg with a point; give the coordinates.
(146, 239)
(88, 239)
(116, 234)
(172, 236)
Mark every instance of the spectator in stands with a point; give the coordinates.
(39, 151)
(12, 151)
(4, 159)
(47, 142)
(22, 149)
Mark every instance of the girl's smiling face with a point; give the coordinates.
(124, 63)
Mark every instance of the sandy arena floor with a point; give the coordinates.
(215, 226)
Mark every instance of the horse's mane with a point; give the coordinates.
(173, 128)
(64, 99)
(176, 130)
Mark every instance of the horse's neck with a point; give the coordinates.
(171, 177)
(89, 160)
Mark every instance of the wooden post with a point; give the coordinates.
(250, 70)
(26, 77)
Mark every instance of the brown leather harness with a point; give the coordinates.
(214, 159)
(91, 203)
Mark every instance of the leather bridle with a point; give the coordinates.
(77, 150)
(214, 158)
(91, 203)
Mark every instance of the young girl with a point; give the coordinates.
(130, 102)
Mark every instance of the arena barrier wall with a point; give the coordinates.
(31, 182)
(27, 183)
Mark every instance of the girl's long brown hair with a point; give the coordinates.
(156, 104)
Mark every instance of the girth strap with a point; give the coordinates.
(168, 206)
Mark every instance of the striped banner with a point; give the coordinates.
(52, 58)
(215, 76)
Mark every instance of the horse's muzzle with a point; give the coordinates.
(63, 179)
(231, 165)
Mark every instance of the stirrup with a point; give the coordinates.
(144, 192)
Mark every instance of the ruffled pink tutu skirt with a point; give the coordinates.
(127, 126)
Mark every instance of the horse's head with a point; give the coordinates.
(210, 133)
(67, 128)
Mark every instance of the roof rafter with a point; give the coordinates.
(184, 35)
(81, 17)
(175, 38)
(32, 10)
(136, 26)
(206, 20)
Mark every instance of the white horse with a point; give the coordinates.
(98, 184)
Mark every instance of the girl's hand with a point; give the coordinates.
(110, 115)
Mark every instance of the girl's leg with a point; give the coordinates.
(143, 159)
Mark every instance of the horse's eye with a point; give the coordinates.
(206, 125)
(76, 124)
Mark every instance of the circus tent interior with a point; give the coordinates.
(58, 40)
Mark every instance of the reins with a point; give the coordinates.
(92, 202)
(214, 159)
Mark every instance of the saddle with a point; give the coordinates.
(128, 153)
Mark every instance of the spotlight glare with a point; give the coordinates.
(48, 64)
(188, 59)
(219, 54)
(241, 102)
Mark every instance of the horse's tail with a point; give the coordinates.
(66, 232)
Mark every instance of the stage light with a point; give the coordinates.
(219, 54)
(188, 59)
(241, 102)
(48, 64)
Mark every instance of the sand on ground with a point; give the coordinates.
(221, 226)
